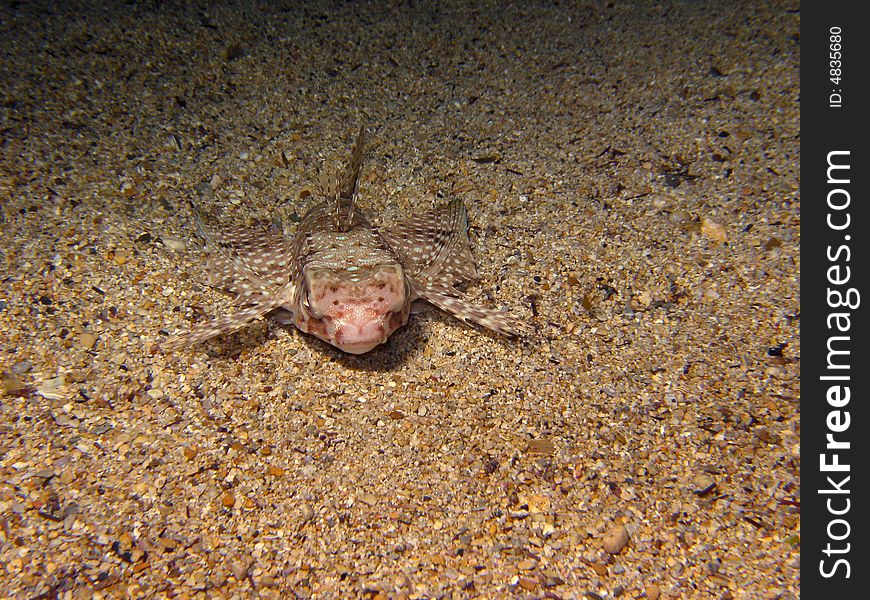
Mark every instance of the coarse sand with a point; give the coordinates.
(631, 174)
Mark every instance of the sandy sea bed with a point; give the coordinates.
(631, 174)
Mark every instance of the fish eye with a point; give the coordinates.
(309, 306)
(305, 301)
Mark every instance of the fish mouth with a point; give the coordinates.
(361, 334)
(356, 347)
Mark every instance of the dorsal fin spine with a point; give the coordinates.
(349, 187)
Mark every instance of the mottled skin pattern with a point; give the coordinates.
(341, 279)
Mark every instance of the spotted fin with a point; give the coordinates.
(341, 189)
(449, 300)
(250, 263)
(434, 250)
(350, 178)
(433, 245)
(229, 323)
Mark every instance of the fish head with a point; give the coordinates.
(354, 309)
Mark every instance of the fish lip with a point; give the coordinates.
(359, 340)
(357, 347)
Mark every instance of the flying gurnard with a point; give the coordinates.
(341, 279)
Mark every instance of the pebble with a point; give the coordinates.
(87, 340)
(528, 583)
(772, 243)
(712, 230)
(121, 257)
(544, 446)
(703, 484)
(307, 513)
(21, 367)
(175, 244)
(527, 564)
(53, 383)
(368, 498)
(765, 435)
(241, 568)
(10, 384)
(615, 539)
